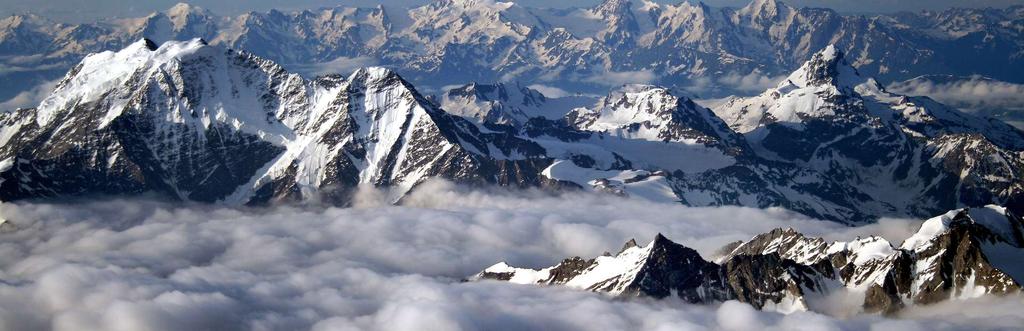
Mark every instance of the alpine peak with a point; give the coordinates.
(826, 67)
(781, 269)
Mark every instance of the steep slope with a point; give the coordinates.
(205, 123)
(499, 103)
(184, 119)
(654, 113)
(375, 129)
(965, 253)
(908, 153)
(660, 269)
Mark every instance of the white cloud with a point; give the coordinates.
(975, 94)
(971, 93)
(29, 98)
(753, 82)
(550, 91)
(618, 78)
(20, 64)
(341, 65)
(143, 265)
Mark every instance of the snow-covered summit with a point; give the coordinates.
(647, 112)
(510, 104)
(785, 271)
(212, 84)
(995, 219)
(207, 123)
(826, 67)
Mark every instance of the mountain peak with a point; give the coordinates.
(661, 239)
(764, 11)
(826, 67)
(144, 43)
(765, 6)
(612, 6)
(466, 4)
(996, 219)
(770, 269)
(183, 8)
(629, 244)
(17, 20)
(373, 75)
(179, 48)
(830, 53)
(100, 71)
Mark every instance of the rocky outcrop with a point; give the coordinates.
(965, 253)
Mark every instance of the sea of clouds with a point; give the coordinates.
(138, 264)
(972, 94)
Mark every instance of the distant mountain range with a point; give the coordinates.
(200, 122)
(713, 51)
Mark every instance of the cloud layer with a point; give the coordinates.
(971, 93)
(341, 65)
(751, 83)
(29, 98)
(145, 265)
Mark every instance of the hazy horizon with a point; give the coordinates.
(83, 11)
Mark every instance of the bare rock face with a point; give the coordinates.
(962, 260)
(671, 268)
(965, 253)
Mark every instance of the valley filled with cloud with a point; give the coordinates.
(142, 264)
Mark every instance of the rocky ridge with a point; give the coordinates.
(965, 253)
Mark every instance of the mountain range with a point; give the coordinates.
(714, 51)
(200, 122)
(964, 253)
(763, 106)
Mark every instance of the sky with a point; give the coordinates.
(84, 10)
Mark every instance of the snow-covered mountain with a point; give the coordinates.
(452, 42)
(206, 123)
(964, 253)
(505, 104)
(910, 153)
(202, 122)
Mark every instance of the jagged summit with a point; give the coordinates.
(1002, 224)
(783, 270)
(500, 103)
(650, 270)
(629, 244)
(639, 111)
(183, 8)
(835, 120)
(765, 8)
(98, 74)
(373, 74)
(826, 67)
(612, 7)
(206, 123)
